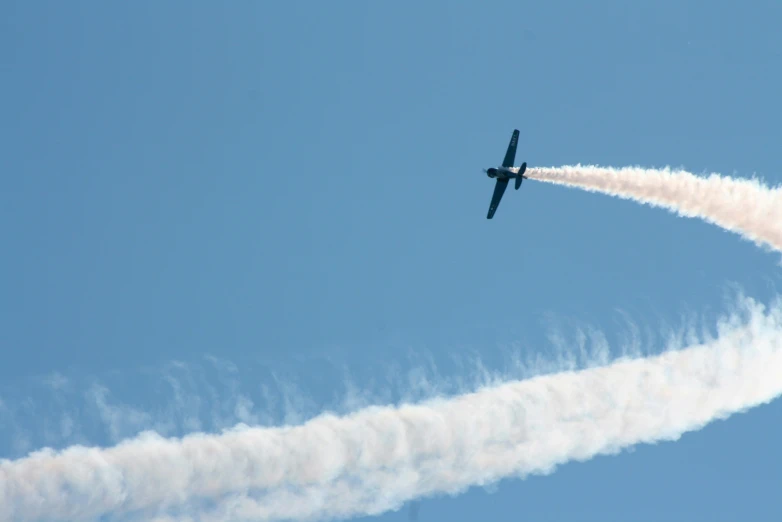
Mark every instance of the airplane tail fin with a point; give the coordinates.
(520, 177)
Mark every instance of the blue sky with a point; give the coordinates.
(296, 189)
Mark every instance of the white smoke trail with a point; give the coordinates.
(744, 206)
(379, 457)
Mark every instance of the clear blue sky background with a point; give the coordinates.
(296, 189)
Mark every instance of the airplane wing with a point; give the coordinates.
(499, 190)
(510, 155)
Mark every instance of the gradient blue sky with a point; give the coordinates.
(295, 189)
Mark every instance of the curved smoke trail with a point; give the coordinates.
(379, 457)
(744, 206)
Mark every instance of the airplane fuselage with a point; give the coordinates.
(506, 172)
(501, 173)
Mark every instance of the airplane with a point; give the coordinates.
(503, 174)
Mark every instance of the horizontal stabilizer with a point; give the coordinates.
(520, 175)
